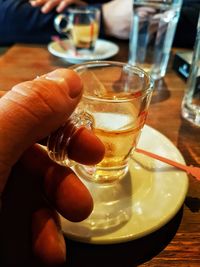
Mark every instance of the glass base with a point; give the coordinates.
(85, 50)
(191, 113)
(101, 175)
(156, 73)
(112, 203)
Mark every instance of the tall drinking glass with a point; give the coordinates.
(191, 100)
(153, 28)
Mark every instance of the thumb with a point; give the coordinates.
(33, 109)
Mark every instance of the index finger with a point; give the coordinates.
(78, 144)
(65, 3)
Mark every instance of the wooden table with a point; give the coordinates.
(177, 244)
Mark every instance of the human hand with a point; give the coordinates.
(117, 17)
(28, 113)
(60, 5)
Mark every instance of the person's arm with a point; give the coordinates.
(20, 22)
(59, 5)
(117, 17)
(25, 23)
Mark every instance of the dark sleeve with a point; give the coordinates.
(20, 22)
(187, 25)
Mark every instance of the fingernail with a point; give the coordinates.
(44, 10)
(33, 3)
(55, 75)
(70, 78)
(58, 10)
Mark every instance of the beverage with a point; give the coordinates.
(154, 25)
(84, 36)
(119, 135)
(117, 121)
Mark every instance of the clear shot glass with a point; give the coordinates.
(191, 100)
(115, 102)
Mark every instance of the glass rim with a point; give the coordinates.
(135, 69)
(83, 10)
(165, 2)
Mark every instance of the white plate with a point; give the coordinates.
(103, 50)
(150, 195)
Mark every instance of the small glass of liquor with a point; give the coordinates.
(114, 105)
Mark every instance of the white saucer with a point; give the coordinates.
(103, 50)
(145, 200)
